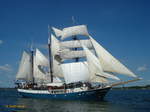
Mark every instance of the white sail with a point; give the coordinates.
(57, 32)
(100, 79)
(95, 66)
(74, 30)
(74, 72)
(24, 71)
(55, 47)
(76, 44)
(108, 62)
(108, 75)
(71, 31)
(57, 79)
(40, 61)
(69, 54)
(57, 71)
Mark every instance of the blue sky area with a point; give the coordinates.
(121, 26)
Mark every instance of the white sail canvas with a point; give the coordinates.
(110, 63)
(55, 48)
(100, 80)
(24, 71)
(57, 32)
(38, 73)
(75, 72)
(95, 66)
(41, 59)
(76, 44)
(71, 31)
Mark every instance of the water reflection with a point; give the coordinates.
(41, 105)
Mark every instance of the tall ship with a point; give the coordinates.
(77, 68)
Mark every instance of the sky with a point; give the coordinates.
(121, 26)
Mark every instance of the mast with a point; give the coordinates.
(32, 63)
(50, 57)
(75, 38)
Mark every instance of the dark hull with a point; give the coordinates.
(96, 94)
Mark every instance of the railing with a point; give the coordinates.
(57, 91)
(60, 91)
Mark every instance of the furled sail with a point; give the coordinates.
(72, 31)
(24, 72)
(94, 66)
(74, 72)
(108, 62)
(55, 47)
(76, 44)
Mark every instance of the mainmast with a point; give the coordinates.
(50, 57)
(75, 38)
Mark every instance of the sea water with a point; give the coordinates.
(115, 101)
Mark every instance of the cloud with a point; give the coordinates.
(1, 42)
(142, 68)
(6, 68)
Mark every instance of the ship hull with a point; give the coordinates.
(95, 94)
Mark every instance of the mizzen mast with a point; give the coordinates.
(32, 63)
